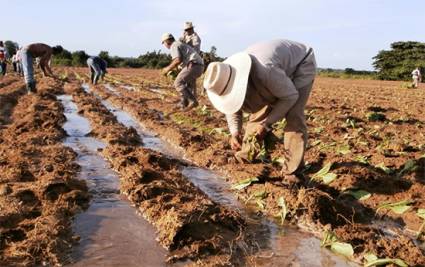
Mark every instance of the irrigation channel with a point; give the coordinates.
(112, 234)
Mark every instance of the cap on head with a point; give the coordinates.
(166, 36)
(187, 25)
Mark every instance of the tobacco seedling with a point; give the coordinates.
(244, 183)
(358, 194)
(324, 175)
(342, 248)
(283, 209)
(421, 214)
(362, 159)
(397, 207)
(372, 260)
(409, 166)
(384, 168)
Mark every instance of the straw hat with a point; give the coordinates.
(226, 82)
(166, 36)
(187, 25)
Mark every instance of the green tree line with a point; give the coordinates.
(399, 62)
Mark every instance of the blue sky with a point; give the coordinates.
(343, 33)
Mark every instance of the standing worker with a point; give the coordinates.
(271, 81)
(190, 37)
(417, 77)
(97, 68)
(192, 64)
(44, 53)
(3, 58)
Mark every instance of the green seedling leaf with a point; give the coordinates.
(283, 209)
(324, 175)
(370, 257)
(220, 131)
(315, 143)
(244, 183)
(380, 262)
(328, 178)
(344, 150)
(260, 203)
(384, 168)
(421, 213)
(344, 249)
(328, 239)
(359, 194)
(397, 207)
(362, 159)
(331, 241)
(409, 166)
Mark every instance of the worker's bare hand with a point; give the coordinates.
(261, 132)
(236, 142)
(165, 71)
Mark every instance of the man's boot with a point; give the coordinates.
(31, 87)
(192, 100)
(183, 102)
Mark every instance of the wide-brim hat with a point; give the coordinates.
(226, 82)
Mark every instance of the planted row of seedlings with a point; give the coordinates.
(340, 211)
(39, 192)
(188, 223)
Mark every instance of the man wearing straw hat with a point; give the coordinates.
(270, 81)
(190, 37)
(193, 67)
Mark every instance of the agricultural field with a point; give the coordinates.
(77, 163)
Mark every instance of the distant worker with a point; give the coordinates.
(270, 81)
(3, 58)
(417, 77)
(190, 37)
(193, 67)
(97, 68)
(15, 63)
(19, 62)
(34, 51)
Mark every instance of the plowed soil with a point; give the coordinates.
(370, 131)
(38, 190)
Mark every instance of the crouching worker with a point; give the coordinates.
(44, 53)
(270, 81)
(193, 67)
(97, 68)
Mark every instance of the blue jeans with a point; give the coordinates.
(95, 71)
(27, 66)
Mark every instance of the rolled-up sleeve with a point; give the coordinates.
(281, 87)
(175, 52)
(234, 121)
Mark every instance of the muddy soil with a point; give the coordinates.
(370, 131)
(188, 223)
(38, 190)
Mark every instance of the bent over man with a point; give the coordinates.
(33, 51)
(270, 81)
(97, 68)
(193, 67)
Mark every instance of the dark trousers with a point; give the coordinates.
(3, 68)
